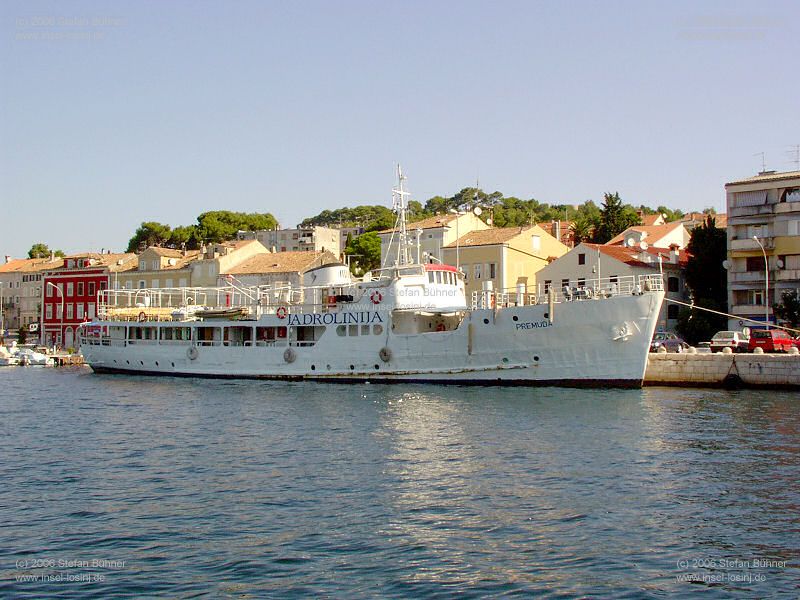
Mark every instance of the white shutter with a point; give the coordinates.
(751, 198)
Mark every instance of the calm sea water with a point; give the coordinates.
(144, 487)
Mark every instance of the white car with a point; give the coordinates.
(735, 340)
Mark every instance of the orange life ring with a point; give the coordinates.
(440, 327)
(376, 297)
(142, 317)
(281, 312)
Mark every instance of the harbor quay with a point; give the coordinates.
(777, 371)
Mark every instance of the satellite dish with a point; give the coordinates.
(779, 263)
(477, 210)
(726, 264)
(629, 242)
(642, 245)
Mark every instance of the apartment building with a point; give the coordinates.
(21, 290)
(302, 239)
(763, 244)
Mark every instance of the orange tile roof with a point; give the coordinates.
(30, 265)
(489, 237)
(650, 220)
(630, 256)
(117, 262)
(429, 223)
(653, 232)
(282, 262)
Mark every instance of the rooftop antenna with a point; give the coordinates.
(763, 160)
(794, 156)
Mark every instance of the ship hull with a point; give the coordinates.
(588, 343)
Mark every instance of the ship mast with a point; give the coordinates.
(399, 205)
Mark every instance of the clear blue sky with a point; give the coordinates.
(116, 113)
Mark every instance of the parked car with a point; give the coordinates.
(735, 340)
(771, 340)
(670, 341)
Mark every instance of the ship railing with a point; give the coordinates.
(574, 290)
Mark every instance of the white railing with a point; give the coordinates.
(594, 289)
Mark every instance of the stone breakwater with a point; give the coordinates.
(724, 370)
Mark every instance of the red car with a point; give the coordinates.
(771, 340)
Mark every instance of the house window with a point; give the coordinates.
(91, 288)
(613, 279)
(80, 288)
(492, 270)
(48, 311)
(564, 283)
(70, 311)
(70, 289)
(582, 258)
(547, 284)
(90, 310)
(672, 311)
(50, 291)
(756, 297)
(156, 265)
(465, 270)
(103, 285)
(59, 310)
(673, 284)
(755, 263)
(142, 283)
(581, 282)
(182, 282)
(143, 265)
(79, 310)
(128, 285)
(536, 242)
(168, 283)
(154, 283)
(478, 268)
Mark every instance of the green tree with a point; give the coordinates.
(184, 237)
(615, 218)
(582, 229)
(149, 233)
(223, 225)
(669, 214)
(707, 282)
(365, 253)
(789, 309)
(40, 250)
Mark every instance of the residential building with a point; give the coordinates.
(660, 236)
(277, 269)
(159, 267)
(427, 238)
(765, 207)
(652, 220)
(504, 256)
(353, 232)
(69, 292)
(586, 263)
(220, 258)
(302, 239)
(21, 291)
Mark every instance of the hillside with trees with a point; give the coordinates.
(212, 227)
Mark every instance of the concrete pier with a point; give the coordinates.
(779, 371)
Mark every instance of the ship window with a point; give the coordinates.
(352, 330)
(365, 330)
(341, 330)
(377, 329)
(430, 276)
(237, 336)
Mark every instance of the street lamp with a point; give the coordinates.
(60, 293)
(766, 282)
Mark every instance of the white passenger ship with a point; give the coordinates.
(407, 322)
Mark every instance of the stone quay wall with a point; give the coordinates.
(780, 371)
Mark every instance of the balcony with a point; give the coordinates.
(787, 207)
(747, 309)
(745, 276)
(749, 211)
(751, 244)
(787, 275)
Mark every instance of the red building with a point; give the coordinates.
(69, 293)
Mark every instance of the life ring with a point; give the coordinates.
(376, 297)
(289, 355)
(440, 327)
(142, 317)
(281, 312)
(385, 354)
(192, 353)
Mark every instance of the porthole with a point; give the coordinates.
(377, 367)
(515, 318)
(486, 321)
(377, 329)
(141, 362)
(313, 367)
(536, 358)
(173, 365)
(505, 360)
(128, 362)
(547, 315)
(352, 367)
(341, 330)
(156, 363)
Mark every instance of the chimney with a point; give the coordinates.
(8, 259)
(557, 230)
(674, 253)
(52, 256)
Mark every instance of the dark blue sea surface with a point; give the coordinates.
(115, 486)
